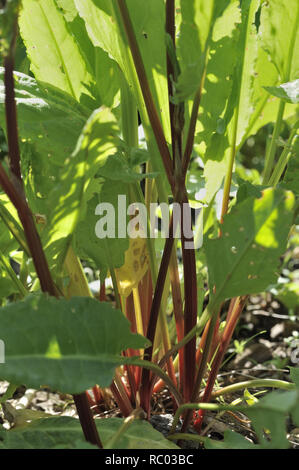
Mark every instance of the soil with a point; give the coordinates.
(265, 324)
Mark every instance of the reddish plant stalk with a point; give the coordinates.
(214, 345)
(130, 314)
(91, 401)
(11, 119)
(122, 403)
(190, 311)
(190, 282)
(146, 92)
(98, 397)
(202, 367)
(131, 378)
(224, 343)
(156, 304)
(145, 295)
(103, 292)
(231, 308)
(90, 431)
(178, 311)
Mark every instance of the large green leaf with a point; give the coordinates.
(66, 433)
(67, 344)
(245, 258)
(54, 54)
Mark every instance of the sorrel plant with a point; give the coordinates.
(200, 78)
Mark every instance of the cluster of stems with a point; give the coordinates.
(145, 307)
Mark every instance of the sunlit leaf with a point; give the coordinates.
(66, 344)
(253, 238)
(54, 54)
(280, 36)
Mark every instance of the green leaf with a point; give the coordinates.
(291, 177)
(239, 106)
(66, 433)
(104, 69)
(105, 252)
(68, 8)
(7, 241)
(107, 77)
(294, 373)
(67, 200)
(139, 435)
(247, 189)
(7, 286)
(67, 344)
(8, 15)
(54, 54)
(253, 238)
(231, 440)
(270, 415)
(265, 106)
(280, 36)
(288, 92)
(101, 18)
(218, 83)
(196, 29)
(48, 118)
(268, 419)
(149, 26)
(288, 294)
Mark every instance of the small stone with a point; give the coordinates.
(277, 330)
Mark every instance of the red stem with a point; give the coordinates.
(224, 343)
(90, 431)
(178, 311)
(145, 380)
(103, 292)
(122, 404)
(146, 92)
(190, 312)
(11, 119)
